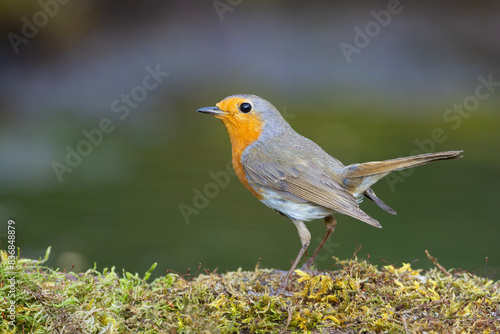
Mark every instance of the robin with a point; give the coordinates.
(294, 176)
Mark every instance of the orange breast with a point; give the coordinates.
(240, 172)
(243, 129)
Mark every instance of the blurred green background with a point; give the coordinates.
(66, 67)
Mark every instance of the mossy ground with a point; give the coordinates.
(356, 297)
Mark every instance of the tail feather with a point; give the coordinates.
(371, 195)
(387, 166)
(358, 178)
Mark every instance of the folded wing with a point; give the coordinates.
(306, 182)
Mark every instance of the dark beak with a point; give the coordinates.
(211, 111)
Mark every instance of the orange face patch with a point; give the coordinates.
(243, 129)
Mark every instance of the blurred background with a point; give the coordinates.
(103, 157)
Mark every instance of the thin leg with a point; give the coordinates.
(330, 223)
(305, 239)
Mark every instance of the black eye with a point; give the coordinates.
(245, 107)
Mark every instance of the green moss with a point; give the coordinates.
(357, 297)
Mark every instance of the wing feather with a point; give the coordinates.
(307, 182)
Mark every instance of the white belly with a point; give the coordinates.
(293, 210)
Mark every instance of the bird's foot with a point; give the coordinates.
(307, 268)
(281, 291)
(280, 272)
